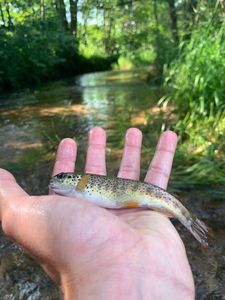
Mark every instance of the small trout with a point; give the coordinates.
(124, 193)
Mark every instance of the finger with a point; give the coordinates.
(95, 160)
(161, 164)
(9, 191)
(65, 157)
(130, 164)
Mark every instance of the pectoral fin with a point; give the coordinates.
(131, 204)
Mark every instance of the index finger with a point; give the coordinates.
(65, 156)
(161, 164)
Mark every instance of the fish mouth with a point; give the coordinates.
(60, 188)
(54, 186)
(53, 182)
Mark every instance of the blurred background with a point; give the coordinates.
(69, 65)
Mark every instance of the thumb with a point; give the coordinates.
(20, 214)
(10, 191)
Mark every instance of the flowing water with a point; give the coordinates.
(32, 124)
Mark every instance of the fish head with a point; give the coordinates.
(64, 183)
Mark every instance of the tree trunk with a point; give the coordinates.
(10, 23)
(61, 10)
(158, 59)
(2, 17)
(42, 9)
(108, 31)
(173, 17)
(191, 7)
(190, 16)
(73, 15)
(155, 9)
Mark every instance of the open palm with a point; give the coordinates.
(94, 253)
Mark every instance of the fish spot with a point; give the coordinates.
(131, 203)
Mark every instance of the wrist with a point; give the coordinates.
(112, 283)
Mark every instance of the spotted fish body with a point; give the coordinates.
(118, 193)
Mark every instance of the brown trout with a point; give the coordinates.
(124, 193)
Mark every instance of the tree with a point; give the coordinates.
(73, 17)
(191, 8)
(61, 10)
(3, 23)
(173, 17)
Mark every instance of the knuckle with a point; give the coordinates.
(96, 169)
(96, 147)
(159, 170)
(129, 169)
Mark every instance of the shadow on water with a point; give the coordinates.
(33, 123)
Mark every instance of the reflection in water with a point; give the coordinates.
(31, 126)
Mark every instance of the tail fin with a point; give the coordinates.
(200, 231)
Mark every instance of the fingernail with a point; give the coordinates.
(133, 137)
(67, 148)
(98, 134)
(168, 139)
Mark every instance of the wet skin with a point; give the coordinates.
(94, 253)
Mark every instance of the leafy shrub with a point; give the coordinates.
(197, 77)
(37, 51)
(196, 89)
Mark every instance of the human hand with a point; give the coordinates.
(91, 252)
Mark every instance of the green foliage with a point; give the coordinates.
(34, 52)
(200, 157)
(197, 77)
(124, 63)
(195, 89)
(135, 59)
(41, 50)
(127, 30)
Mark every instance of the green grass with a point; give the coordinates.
(196, 90)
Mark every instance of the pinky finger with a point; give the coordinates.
(161, 164)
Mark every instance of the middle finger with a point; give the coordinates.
(95, 161)
(130, 164)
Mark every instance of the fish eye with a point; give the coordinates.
(60, 175)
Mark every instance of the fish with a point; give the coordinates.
(117, 193)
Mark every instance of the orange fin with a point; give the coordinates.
(131, 203)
